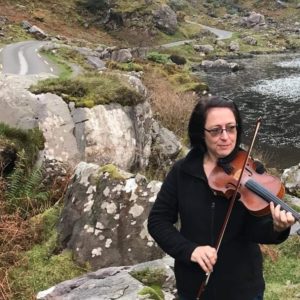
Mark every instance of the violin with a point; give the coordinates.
(255, 190)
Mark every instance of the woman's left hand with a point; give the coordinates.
(281, 219)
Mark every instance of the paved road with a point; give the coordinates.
(23, 58)
(221, 35)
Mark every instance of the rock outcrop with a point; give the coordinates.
(123, 283)
(104, 217)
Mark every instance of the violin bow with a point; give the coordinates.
(231, 204)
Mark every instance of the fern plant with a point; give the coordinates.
(26, 192)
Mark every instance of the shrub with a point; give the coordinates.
(25, 192)
(150, 277)
(158, 57)
(90, 90)
(177, 59)
(171, 108)
(154, 293)
(128, 67)
(94, 5)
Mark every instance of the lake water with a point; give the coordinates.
(269, 87)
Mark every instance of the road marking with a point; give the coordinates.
(23, 63)
(51, 69)
(46, 62)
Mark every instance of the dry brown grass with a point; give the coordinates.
(270, 251)
(15, 237)
(171, 108)
(57, 19)
(18, 235)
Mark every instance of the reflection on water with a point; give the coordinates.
(292, 63)
(288, 89)
(269, 86)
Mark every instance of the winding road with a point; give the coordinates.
(221, 35)
(23, 58)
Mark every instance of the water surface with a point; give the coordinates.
(269, 87)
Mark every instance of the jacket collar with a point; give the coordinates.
(193, 164)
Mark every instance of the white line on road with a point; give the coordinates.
(23, 63)
(51, 69)
(46, 62)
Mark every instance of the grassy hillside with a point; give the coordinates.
(83, 19)
(54, 17)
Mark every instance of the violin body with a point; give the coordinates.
(255, 190)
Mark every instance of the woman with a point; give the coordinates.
(215, 129)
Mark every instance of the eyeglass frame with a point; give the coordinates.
(218, 131)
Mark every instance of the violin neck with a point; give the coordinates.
(268, 196)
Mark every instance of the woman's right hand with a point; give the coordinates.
(206, 257)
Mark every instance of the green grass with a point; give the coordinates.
(186, 51)
(128, 6)
(90, 89)
(150, 277)
(152, 292)
(65, 71)
(283, 274)
(64, 57)
(14, 33)
(30, 141)
(153, 280)
(127, 67)
(40, 267)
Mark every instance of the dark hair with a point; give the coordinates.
(198, 119)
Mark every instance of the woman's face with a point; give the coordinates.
(220, 142)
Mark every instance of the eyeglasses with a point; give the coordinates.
(217, 131)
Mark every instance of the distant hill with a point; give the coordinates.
(114, 22)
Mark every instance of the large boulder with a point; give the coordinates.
(37, 32)
(122, 135)
(115, 134)
(122, 283)
(18, 106)
(58, 128)
(253, 20)
(165, 19)
(3, 21)
(206, 49)
(219, 65)
(105, 215)
(291, 180)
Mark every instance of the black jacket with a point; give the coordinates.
(185, 194)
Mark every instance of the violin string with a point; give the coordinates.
(267, 195)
